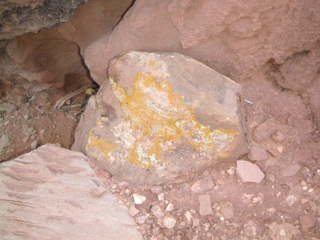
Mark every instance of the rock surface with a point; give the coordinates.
(53, 56)
(249, 172)
(163, 116)
(234, 37)
(22, 16)
(52, 193)
(205, 205)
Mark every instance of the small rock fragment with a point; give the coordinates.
(138, 199)
(307, 222)
(34, 144)
(4, 142)
(202, 185)
(161, 196)
(169, 207)
(133, 210)
(291, 199)
(195, 222)
(290, 170)
(141, 219)
(249, 172)
(226, 209)
(257, 153)
(157, 211)
(169, 222)
(188, 216)
(205, 205)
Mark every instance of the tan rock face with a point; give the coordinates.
(162, 116)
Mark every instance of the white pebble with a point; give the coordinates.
(169, 222)
(138, 199)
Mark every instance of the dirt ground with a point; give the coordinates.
(216, 205)
(28, 117)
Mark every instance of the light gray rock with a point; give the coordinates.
(162, 116)
(52, 193)
(249, 172)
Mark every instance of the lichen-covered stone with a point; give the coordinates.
(162, 117)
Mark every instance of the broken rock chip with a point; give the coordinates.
(249, 172)
(160, 117)
(205, 207)
(52, 193)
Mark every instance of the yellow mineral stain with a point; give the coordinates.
(161, 116)
(152, 63)
(104, 146)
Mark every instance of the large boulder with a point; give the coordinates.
(162, 117)
(52, 193)
(236, 37)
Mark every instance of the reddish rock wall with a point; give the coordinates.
(234, 37)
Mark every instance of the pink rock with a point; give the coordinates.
(157, 211)
(52, 193)
(257, 153)
(205, 207)
(216, 32)
(249, 172)
(307, 222)
(290, 170)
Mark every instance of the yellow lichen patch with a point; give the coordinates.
(152, 63)
(161, 116)
(104, 146)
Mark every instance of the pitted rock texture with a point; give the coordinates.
(22, 16)
(162, 117)
(52, 193)
(234, 37)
